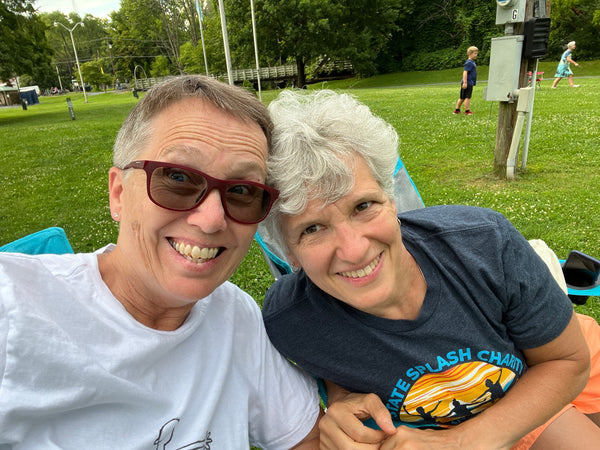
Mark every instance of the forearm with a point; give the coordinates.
(334, 392)
(545, 388)
(540, 393)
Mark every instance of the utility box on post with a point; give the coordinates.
(510, 11)
(505, 64)
(537, 33)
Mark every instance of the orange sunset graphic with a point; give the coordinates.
(454, 395)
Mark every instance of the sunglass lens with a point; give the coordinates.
(177, 188)
(246, 202)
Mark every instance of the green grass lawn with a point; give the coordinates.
(54, 169)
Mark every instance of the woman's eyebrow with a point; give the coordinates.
(243, 167)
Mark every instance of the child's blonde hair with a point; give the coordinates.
(472, 50)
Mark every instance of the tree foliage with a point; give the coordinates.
(93, 73)
(163, 36)
(302, 31)
(575, 20)
(90, 36)
(23, 46)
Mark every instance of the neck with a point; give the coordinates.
(146, 307)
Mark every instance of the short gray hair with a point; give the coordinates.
(137, 130)
(571, 44)
(316, 140)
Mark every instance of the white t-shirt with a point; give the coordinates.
(78, 372)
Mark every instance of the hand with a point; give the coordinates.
(407, 438)
(341, 428)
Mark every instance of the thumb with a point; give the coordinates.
(381, 415)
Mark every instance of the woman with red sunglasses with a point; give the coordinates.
(144, 344)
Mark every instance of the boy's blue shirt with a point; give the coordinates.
(471, 69)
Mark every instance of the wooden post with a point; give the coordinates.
(507, 112)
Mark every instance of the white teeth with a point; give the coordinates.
(195, 253)
(362, 272)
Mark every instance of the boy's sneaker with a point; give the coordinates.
(456, 111)
(468, 113)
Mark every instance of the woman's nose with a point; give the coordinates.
(351, 244)
(210, 214)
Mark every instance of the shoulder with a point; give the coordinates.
(285, 293)
(233, 302)
(457, 229)
(20, 267)
(446, 218)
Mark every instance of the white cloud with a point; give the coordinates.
(97, 8)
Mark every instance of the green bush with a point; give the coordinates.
(247, 84)
(440, 59)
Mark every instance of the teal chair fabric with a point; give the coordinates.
(51, 240)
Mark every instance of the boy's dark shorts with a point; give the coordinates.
(466, 93)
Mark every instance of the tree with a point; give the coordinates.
(23, 46)
(436, 34)
(366, 29)
(575, 20)
(192, 58)
(142, 30)
(305, 31)
(172, 21)
(159, 67)
(93, 73)
(91, 41)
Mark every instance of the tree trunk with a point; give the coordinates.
(301, 78)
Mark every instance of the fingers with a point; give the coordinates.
(349, 435)
(381, 416)
(342, 427)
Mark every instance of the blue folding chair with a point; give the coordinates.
(51, 240)
(582, 276)
(406, 196)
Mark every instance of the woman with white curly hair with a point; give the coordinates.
(441, 324)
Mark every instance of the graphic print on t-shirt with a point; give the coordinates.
(437, 396)
(165, 436)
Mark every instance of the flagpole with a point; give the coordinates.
(225, 41)
(255, 49)
(199, 8)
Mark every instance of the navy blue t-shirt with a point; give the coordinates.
(488, 296)
(471, 69)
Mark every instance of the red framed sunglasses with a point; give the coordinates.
(180, 188)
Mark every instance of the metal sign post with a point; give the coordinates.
(70, 105)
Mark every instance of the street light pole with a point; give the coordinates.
(75, 51)
(59, 80)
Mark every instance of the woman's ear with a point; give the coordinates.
(295, 265)
(115, 190)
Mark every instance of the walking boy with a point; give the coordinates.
(469, 79)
